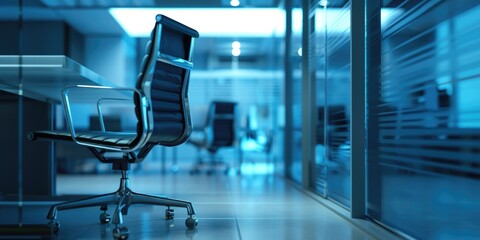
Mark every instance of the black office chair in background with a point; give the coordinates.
(218, 132)
(162, 110)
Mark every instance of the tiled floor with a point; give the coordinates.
(228, 207)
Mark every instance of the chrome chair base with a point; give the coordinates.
(123, 198)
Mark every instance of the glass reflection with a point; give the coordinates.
(424, 166)
(337, 106)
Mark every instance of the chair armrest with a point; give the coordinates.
(115, 94)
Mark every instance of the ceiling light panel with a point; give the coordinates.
(234, 22)
(209, 22)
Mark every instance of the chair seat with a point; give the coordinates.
(95, 137)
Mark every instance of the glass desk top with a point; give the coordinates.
(43, 77)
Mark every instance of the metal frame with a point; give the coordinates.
(308, 91)
(143, 109)
(148, 74)
(178, 62)
(287, 140)
(357, 103)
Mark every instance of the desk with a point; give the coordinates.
(44, 77)
(30, 87)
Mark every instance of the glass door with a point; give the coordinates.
(332, 146)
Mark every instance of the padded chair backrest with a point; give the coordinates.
(221, 121)
(164, 77)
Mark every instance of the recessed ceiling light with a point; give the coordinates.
(236, 52)
(234, 3)
(236, 44)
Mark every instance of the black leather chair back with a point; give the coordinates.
(222, 124)
(164, 78)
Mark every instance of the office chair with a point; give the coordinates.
(218, 132)
(162, 110)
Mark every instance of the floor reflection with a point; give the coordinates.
(228, 207)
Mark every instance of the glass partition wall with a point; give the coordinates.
(337, 102)
(421, 113)
(27, 171)
(424, 119)
(331, 168)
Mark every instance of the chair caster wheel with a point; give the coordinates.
(54, 227)
(105, 218)
(191, 222)
(169, 214)
(120, 233)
